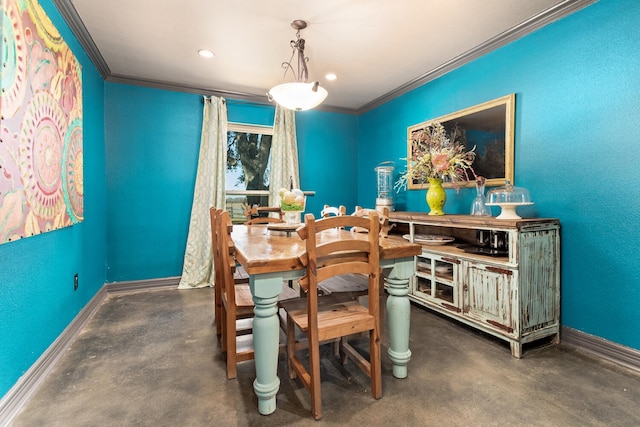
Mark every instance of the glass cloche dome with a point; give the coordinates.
(508, 198)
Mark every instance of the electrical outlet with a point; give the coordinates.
(75, 282)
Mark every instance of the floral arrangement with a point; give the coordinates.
(292, 200)
(435, 156)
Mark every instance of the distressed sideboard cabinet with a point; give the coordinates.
(512, 293)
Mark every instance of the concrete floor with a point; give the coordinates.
(152, 359)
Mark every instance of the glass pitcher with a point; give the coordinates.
(479, 206)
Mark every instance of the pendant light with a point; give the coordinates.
(298, 95)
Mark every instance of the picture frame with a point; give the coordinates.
(489, 127)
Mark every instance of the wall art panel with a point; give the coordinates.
(41, 178)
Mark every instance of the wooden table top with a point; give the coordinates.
(262, 251)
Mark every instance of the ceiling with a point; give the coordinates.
(379, 49)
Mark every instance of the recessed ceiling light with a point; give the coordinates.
(206, 53)
(331, 76)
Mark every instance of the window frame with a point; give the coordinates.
(247, 128)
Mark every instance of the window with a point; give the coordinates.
(247, 176)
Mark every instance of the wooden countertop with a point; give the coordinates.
(468, 220)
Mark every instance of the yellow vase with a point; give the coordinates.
(436, 196)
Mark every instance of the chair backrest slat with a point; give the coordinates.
(326, 257)
(383, 217)
(328, 211)
(324, 249)
(254, 216)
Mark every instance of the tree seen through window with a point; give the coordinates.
(248, 154)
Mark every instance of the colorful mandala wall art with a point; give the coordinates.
(41, 179)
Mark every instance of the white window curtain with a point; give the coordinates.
(197, 271)
(284, 154)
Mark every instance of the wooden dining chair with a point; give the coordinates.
(237, 302)
(383, 215)
(240, 276)
(328, 318)
(383, 218)
(328, 211)
(353, 284)
(256, 215)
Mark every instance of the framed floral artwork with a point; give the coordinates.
(486, 129)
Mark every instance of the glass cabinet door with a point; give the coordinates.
(436, 279)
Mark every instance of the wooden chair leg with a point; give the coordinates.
(291, 347)
(217, 306)
(230, 330)
(375, 365)
(315, 386)
(335, 348)
(223, 327)
(342, 354)
(375, 338)
(383, 305)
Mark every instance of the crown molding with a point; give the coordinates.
(548, 16)
(559, 11)
(240, 96)
(70, 15)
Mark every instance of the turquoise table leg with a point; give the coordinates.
(265, 289)
(399, 313)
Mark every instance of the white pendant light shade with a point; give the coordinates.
(298, 96)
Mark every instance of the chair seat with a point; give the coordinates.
(288, 293)
(337, 316)
(356, 284)
(244, 301)
(240, 275)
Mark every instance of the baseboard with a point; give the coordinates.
(19, 394)
(601, 348)
(142, 285)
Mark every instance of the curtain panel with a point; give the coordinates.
(284, 154)
(197, 270)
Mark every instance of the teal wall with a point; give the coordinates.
(576, 150)
(328, 155)
(37, 300)
(152, 154)
(153, 138)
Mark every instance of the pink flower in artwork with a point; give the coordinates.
(68, 94)
(440, 162)
(42, 67)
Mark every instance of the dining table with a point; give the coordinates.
(271, 256)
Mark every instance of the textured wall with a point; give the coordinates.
(153, 138)
(37, 300)
(576, 149)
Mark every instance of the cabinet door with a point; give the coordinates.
(489, 294)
